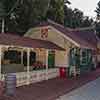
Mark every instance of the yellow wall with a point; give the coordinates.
(41, 55)
(53, 36)
(61, 57)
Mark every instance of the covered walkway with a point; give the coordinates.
(51, 89)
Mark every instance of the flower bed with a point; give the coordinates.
(38, 65)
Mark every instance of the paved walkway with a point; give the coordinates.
(51, 89)
(90, 91)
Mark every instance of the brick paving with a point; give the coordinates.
(51, 89)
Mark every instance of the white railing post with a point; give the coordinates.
(28, 66)
(22, 57)
(46, 64)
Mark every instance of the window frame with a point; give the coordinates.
(83, 58)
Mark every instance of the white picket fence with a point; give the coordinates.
(35, 76)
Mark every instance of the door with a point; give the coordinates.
(51, 59)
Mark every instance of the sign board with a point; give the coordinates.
(44, 32)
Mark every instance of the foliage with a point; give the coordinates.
(2, 10)
(75, 18)
(20, 15)
(87, 21)
(56, 11)
(68, 16)
(97, 27)
(23, 14)
(98, 9)
(97, 24)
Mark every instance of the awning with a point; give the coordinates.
(15, 40)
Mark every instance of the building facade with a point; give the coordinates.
(80, 46)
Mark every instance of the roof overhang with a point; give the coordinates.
(80, 44)
(15, 40)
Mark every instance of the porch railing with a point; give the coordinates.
(35, 76)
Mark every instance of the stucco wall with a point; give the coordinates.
(41, 55)
(53, 36)
(61, 57)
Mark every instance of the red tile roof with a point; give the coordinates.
(9, 39)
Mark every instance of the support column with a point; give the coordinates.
(22, 57)
(0, 62)
(74, 67)
(80, 55)
(46, 64)
(28, 66)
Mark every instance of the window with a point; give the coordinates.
(32, 58)
(83, 57)
(13, 56)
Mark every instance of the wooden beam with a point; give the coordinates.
(21, 56)
(28, 65)
(46, 64)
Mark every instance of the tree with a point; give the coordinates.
(87, 21)
(67, 2)
(97, 27)
(98, 9)
(77, 18)
(73, 18)
(24, 14)
(2, 10)
(68, 13)
(56, 10)
(20, 15)
(97, 24)
(2, 16)
(40, 8)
